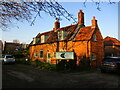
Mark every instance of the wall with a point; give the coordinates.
(81, 49)
(97, 47)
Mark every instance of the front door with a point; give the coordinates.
(48, 58)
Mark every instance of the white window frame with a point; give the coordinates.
(42, 53)
(49, 57)
(63, 35)
(93, 58)
(36, 54)
(94, 37)
(42, 38)
(60, 37)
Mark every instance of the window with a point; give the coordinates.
(41, 54)
(94, 37)
(93, 56)
(35, 40)
(65, 33)
(44, 38)
(35, 54)
(62, 35)
(48, 55)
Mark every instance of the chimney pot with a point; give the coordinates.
(94, 18)
(80, 17)
(94, 22)
(56, 24)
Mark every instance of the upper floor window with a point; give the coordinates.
(65, 33)
(35, 40)
(44, 38)
(62, 35)
(94, 37)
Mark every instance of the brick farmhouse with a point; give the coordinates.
(83, 41)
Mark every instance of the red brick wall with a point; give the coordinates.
(97, 47)
(81, 48)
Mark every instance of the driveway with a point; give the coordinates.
(27, 76)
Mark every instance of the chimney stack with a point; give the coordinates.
(80, 18)
(94, 22)
(56, 24)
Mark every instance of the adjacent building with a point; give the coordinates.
(83, 41)
(11, 47)
(112, 47)
(14, 47)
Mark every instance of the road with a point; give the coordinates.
(27, 76)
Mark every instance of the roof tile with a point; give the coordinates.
(85, 33)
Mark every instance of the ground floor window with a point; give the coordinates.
(48, 55)
(35, 54)
(93, 57)
(41, 54)
(48, 58)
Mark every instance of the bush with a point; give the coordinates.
(23, 61)
(64, 65)
(43, 66)
(84, 64)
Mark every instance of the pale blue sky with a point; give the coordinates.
(107, 21)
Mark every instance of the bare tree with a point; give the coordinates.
(97, 3)
(21, 11)
(25, 10)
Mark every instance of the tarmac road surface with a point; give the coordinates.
(27, 76)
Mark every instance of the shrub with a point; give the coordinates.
(23, 61)
(84, 64)
(44, 66)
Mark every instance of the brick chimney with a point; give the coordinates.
(80, 18)
(94, 22)
(56, 24)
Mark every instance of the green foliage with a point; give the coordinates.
(23, 61)
(64, 65)
(43, 66)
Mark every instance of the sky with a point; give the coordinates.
(107, 20)
(119, 20)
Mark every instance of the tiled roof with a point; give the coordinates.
(111, 41)
(53, 35)
(11, 43)
(70, 28)
(84, 33)
(45, 33)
